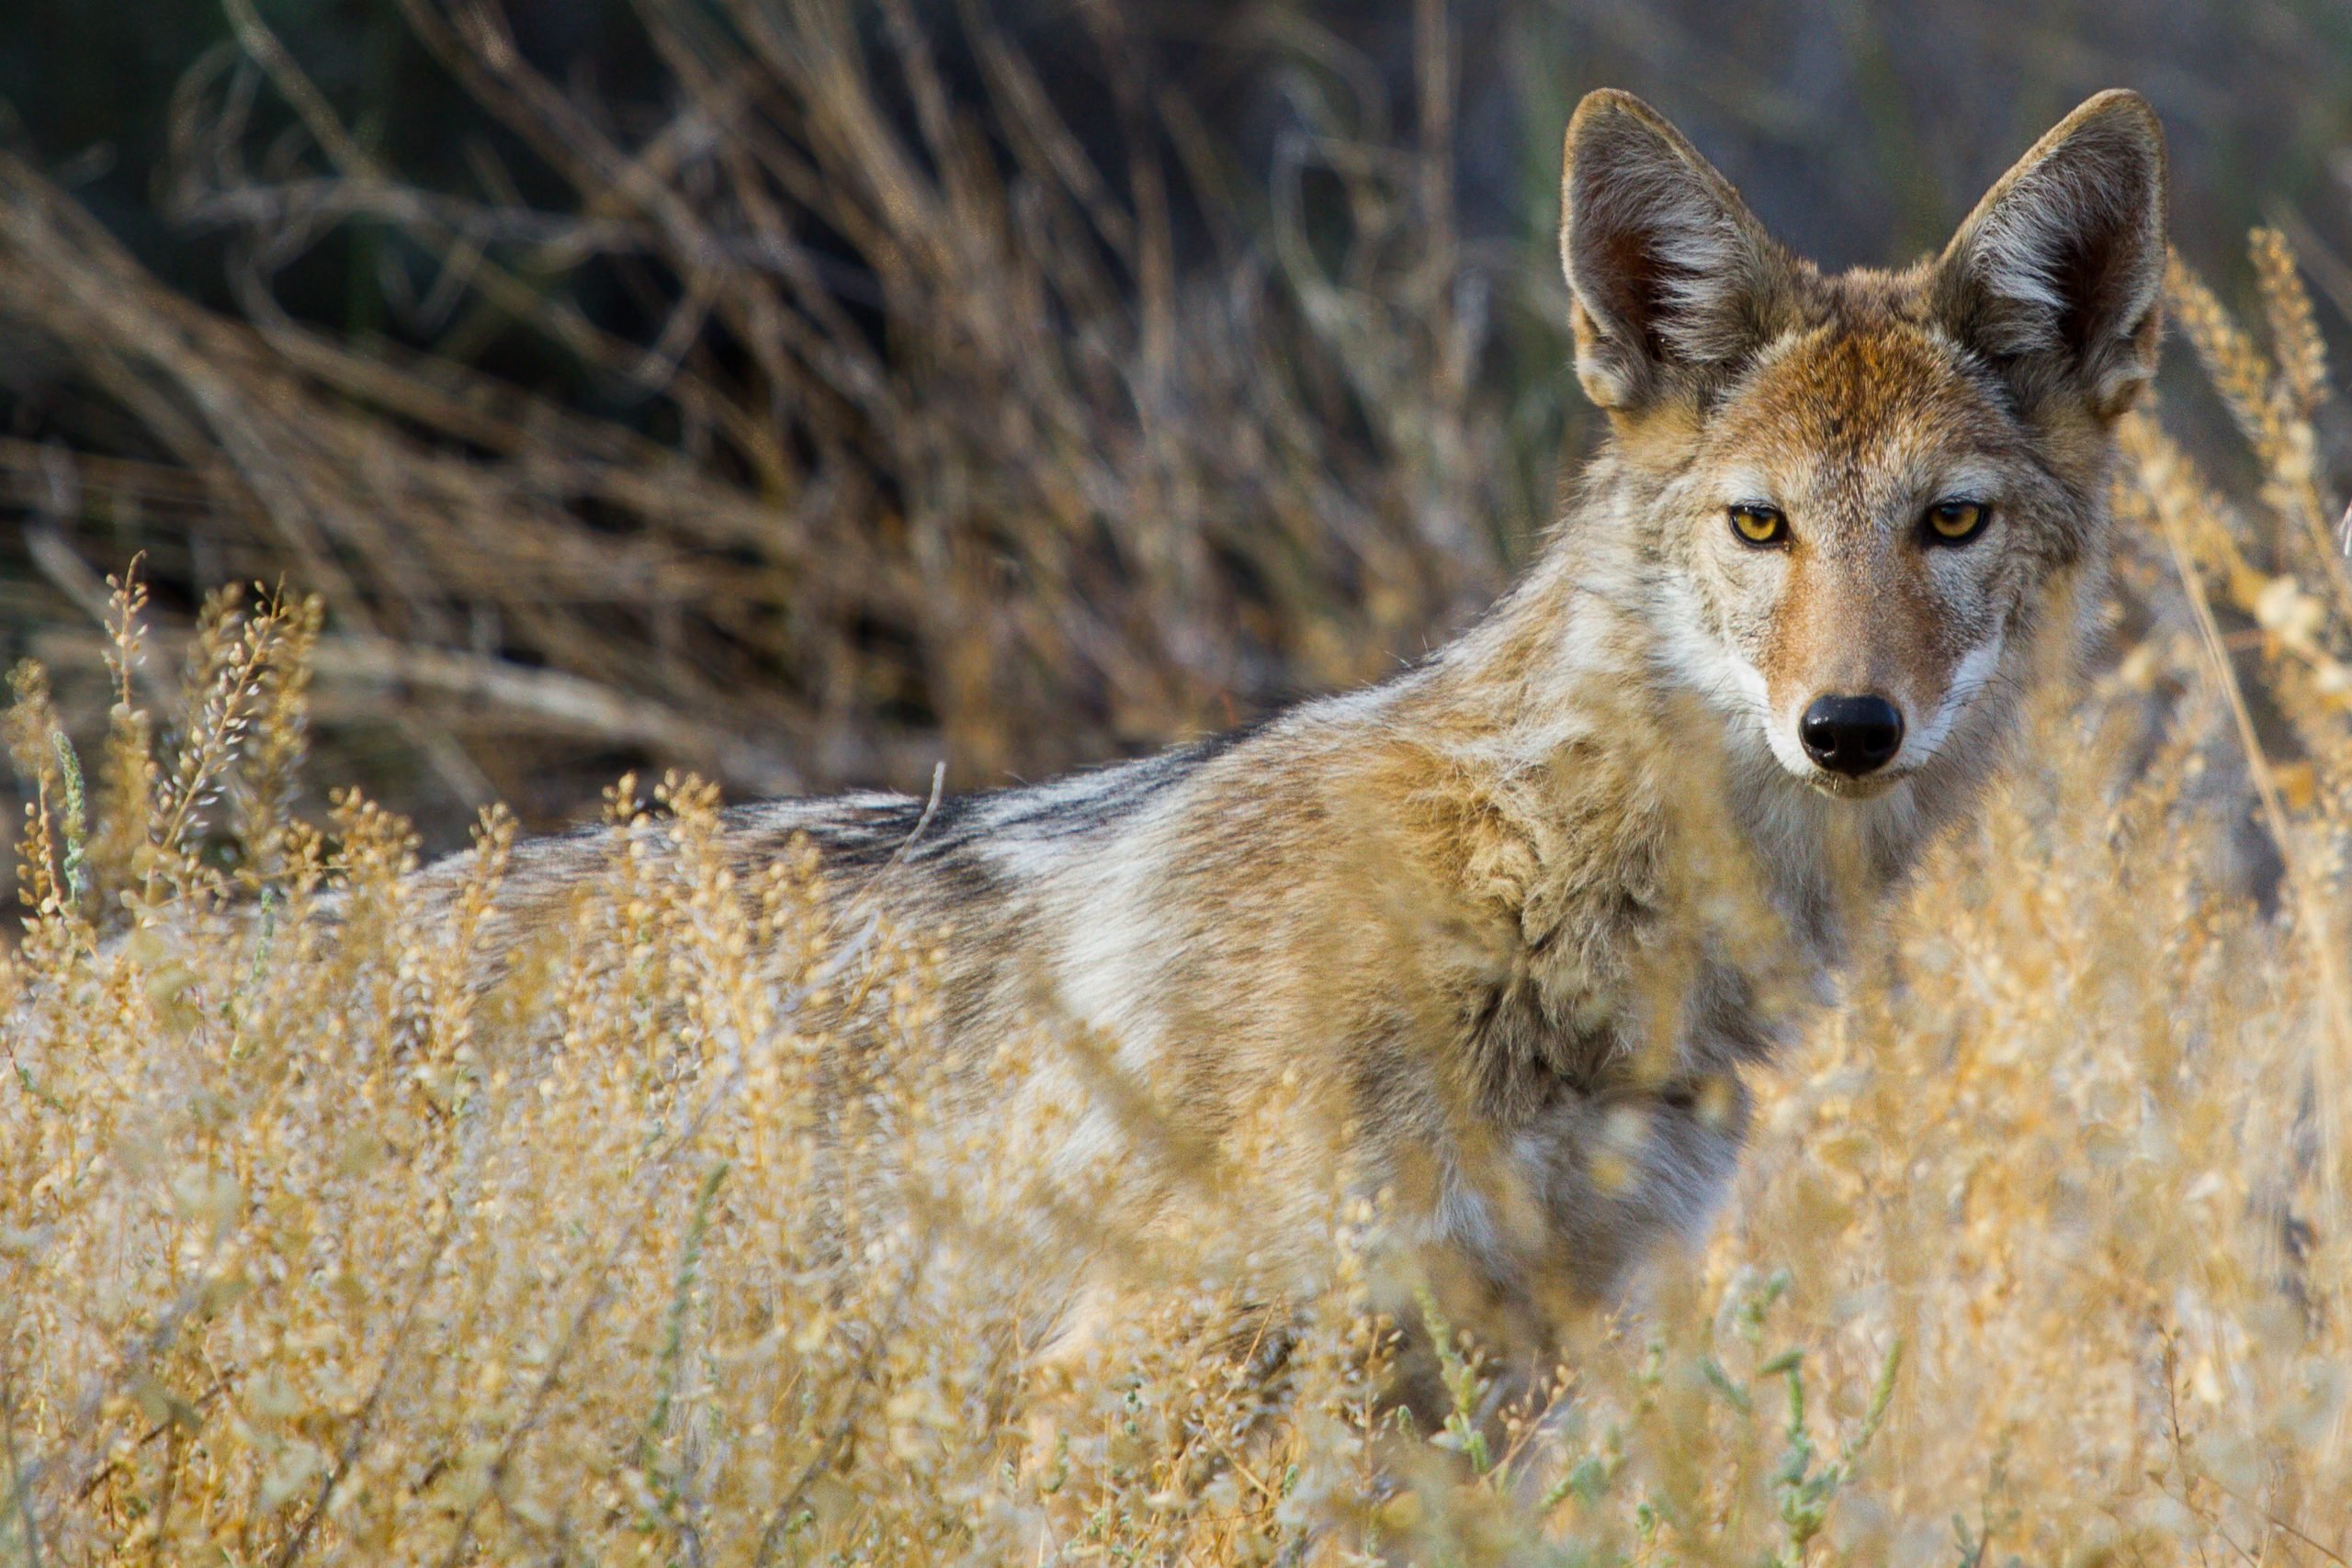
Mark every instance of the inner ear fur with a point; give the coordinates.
(2058, 275)
(1672, 278)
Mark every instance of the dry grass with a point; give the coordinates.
(929, 443)
(307, 1254)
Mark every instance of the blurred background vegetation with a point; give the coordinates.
(806, 390)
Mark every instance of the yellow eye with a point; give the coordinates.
(1953, 521)
(1758, 525)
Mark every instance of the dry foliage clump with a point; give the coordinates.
(919, 428)
(309, 1254)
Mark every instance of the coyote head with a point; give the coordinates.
(1863, 493)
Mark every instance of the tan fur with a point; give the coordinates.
(1510, 929)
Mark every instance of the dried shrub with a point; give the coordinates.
(932, 443)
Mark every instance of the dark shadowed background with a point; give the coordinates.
(806, 392)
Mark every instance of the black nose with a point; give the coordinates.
(1851, 735)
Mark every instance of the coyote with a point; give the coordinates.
(1516, 923)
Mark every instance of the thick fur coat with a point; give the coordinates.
(1514, 926)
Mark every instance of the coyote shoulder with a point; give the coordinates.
(1516, 923)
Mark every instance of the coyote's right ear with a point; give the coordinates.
(1674, 281)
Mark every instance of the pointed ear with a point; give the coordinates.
(2057, 276)
(1674, 281)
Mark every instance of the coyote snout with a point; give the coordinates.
(1852, 735)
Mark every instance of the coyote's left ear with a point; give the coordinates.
(2057, 274)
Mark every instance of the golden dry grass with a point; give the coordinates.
(2039, 1253)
